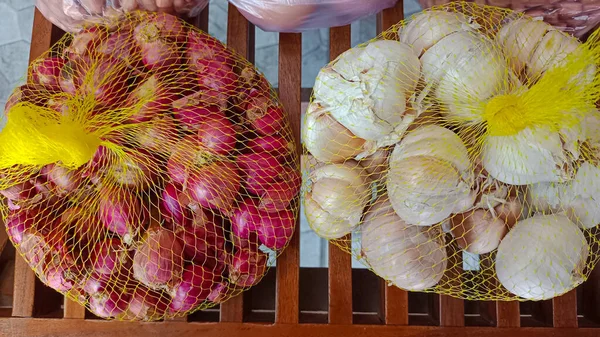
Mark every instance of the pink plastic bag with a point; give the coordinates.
(576, 17)
(300, 15)
(70, 15)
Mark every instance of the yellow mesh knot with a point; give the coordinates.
(506, 115)
(35, 136)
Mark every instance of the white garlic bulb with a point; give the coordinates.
(411, 257)
(542, 257)
(336, 199)
(429, 176)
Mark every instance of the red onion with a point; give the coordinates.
(47, 72)
(158, 260)
(245, 218)
(25, 93)
(135, 169)
(155, 98)
(170, 27)
(12, 206)
(267, 122)
(110, 303)
(85, 41)
(217, 76)
(261, 169)
(70, 78)
(95, 284)
(215, 185)
(84, 227)
(204, 47)
(276, 145)
(200, 242)
(120, 45)
(159, 136)
(220, 293)
(185, 156)
(109, 256)
(122, 213)
(278, 195)
(108, 83)
(191, 110)
(59, 104)
(99, 162)
(276, 229)
(34, 248)
(16, 225)
(59, 278)
(170, 206)
(146, 305)
(63, 179)
(217, 134)
(19, 192)
(157, 52)
(247, 267)
(193, 288)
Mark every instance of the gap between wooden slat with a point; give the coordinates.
(340, 262)
(564, 310)
(288, 272)
(394, 307)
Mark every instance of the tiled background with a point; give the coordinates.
(16, 20)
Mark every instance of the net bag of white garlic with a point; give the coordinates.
(457, 153)
(146, 170)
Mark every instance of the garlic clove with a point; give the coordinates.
(325, 224)
(478, 231)
(326, 139)
(340, 197)
(542, 257)
(376, 165)
(527, 157)
(410, 257)
(551, 51)
(519, 38)
(427, 28)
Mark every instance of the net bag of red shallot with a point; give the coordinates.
(147, 171)
(459, 153)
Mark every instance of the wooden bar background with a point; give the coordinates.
(275, 306)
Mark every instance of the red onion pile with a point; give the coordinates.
(191, 191)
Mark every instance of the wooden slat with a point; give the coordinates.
(340, 262)
(452, 309)
(564, 310)
(41, 37)
(288, 273)
(508, 314)
(3, 236)
(394, 306)
(16, 327)
(73, 309)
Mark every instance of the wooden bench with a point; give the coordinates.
(293, 301)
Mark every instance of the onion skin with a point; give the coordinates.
(109, 256)
(247, 267)
(279, 194)
(146, 305)
(16, 225)
(217, 134)
(19, 192)
(194, 288)
(203, 47)
(122, 213)
(266, 122)
(108, 84)
(192, 109)
(59, 277)
(220, 293)
(274, 144)
(217, 76)
(70, 78)
(245, 218)
(171, 208)
(46, 72)
(275, 230)
(204, 241)
(135, 169)
(160, 136)
(155, 98)
(64, 180)
(120, 45)
(215, 185)
(84, 41)
(260, 169)
(158, 53)
(110, 303)
(158, 260)
(95, 284)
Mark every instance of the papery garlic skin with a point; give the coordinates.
(427, 28)
(366, 90)
(528, 157)
(429, 176)
(410, 257)
(326, 139)
(552, 50)
(519, 38)
(542, 257)
(336, 199)
(466, 68)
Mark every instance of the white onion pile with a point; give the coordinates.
(484, 134)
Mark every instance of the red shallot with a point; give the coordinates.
(158, 260)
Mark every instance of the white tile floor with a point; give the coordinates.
(16, 21)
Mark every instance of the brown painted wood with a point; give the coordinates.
(508, 314)
(99, 328)
(41, 37)
(391, 16)
(73, 309)
(240, 33)
(24, 289)
(564, 310)
(288, 273)
(340, 262)
(451, 309)
(3, 236)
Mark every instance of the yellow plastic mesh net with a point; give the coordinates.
(148, 172)
(458, 153)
